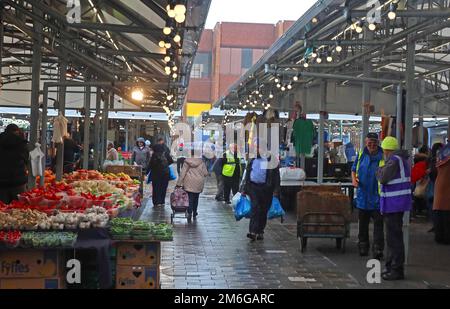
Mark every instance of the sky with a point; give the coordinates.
(256, 11)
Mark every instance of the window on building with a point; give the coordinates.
(247, 58)
(202, 66)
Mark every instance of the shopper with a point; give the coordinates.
(231, 172)
(420, 180)
(368, 199)
(261, 183)
(14, 157)
(395, 199)
(217, 170)
(112, 154)
(192, 179)
(71, 149)
(159, 168)
(141, 154)
(432, 175)
(441, 205)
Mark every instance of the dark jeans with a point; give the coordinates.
(230, 184)
(159, 190)
(7, 195)
(220, 185)
(394, 240)
(261, 200)
(378, 233)
(180, 162)
(193, 202)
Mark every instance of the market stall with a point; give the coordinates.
(49, 225)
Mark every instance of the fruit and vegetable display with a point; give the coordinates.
(85, 199)
(48, 239)
(125, 228)
(10, 238)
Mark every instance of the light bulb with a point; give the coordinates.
(277, 80)
(168, 45)
(278, 85)
(175, 68)
(314, 54)
(180, 9)
(392, 15)
(319, 60)
(314, 20)
(372, 27)
(283, 88)
(175, 75)
(171, 13)
(257, 92)
(177, 38)
(295, 78)
(271, 95)
(339, 48)
(162, 44)
(167, 30)
(306, 64)
(359, 29)
(180, 18)
(289, 86)
(167, 58)
(329, 58)
(137, 95)
(260, 95)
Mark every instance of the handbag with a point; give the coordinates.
(421, 187)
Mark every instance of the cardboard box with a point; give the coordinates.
(137, 277)
(32, 283)
(145, 253)
(30, 264)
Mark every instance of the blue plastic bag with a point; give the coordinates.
(172, 175)
(149, 178)
(243, 208)
(275, 210)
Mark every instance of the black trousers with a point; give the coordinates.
(220, 186)
(230, 184)
(159, 190)
(180, 162)
(378, 229)
(394, 240)
(193, 202)
(9, 194)
(261, 200)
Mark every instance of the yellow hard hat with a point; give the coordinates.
(389, 143)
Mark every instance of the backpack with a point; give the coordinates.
(179, 200)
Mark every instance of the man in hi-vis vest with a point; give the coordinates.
(368, 199)
(395, 199)
(231, 172)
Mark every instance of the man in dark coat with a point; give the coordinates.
(14, 157)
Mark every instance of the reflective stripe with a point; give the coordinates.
(403, 177)
(399, 180)
(396, 193)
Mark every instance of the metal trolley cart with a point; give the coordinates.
(323, 215)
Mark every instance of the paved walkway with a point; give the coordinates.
(213, 252)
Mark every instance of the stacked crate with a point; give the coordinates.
(137, 265)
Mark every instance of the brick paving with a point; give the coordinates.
(213, 252)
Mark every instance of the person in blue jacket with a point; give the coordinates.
(368, 197)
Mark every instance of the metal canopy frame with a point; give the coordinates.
(116, 41)
(423, 22)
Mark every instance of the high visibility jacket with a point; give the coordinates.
(365, 167)
(230, 165)
(395, 196)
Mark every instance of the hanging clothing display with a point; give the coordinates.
(415, 136)
(36, 156)
(303, 135)
(59, 129)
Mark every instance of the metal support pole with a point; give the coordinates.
(35, 86)
(126, 134)
(323, 98)
(305, 111)
(421, 106)
(44, 133)
(62, 111)
(367, 68)
(97, 127)
(87, 122)
(398, 124)
(104, 130)
(1, 35)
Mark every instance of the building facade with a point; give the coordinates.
(224, 54)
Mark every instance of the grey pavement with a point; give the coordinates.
(213, 252)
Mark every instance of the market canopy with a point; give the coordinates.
(356, 41)
(114, 41)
